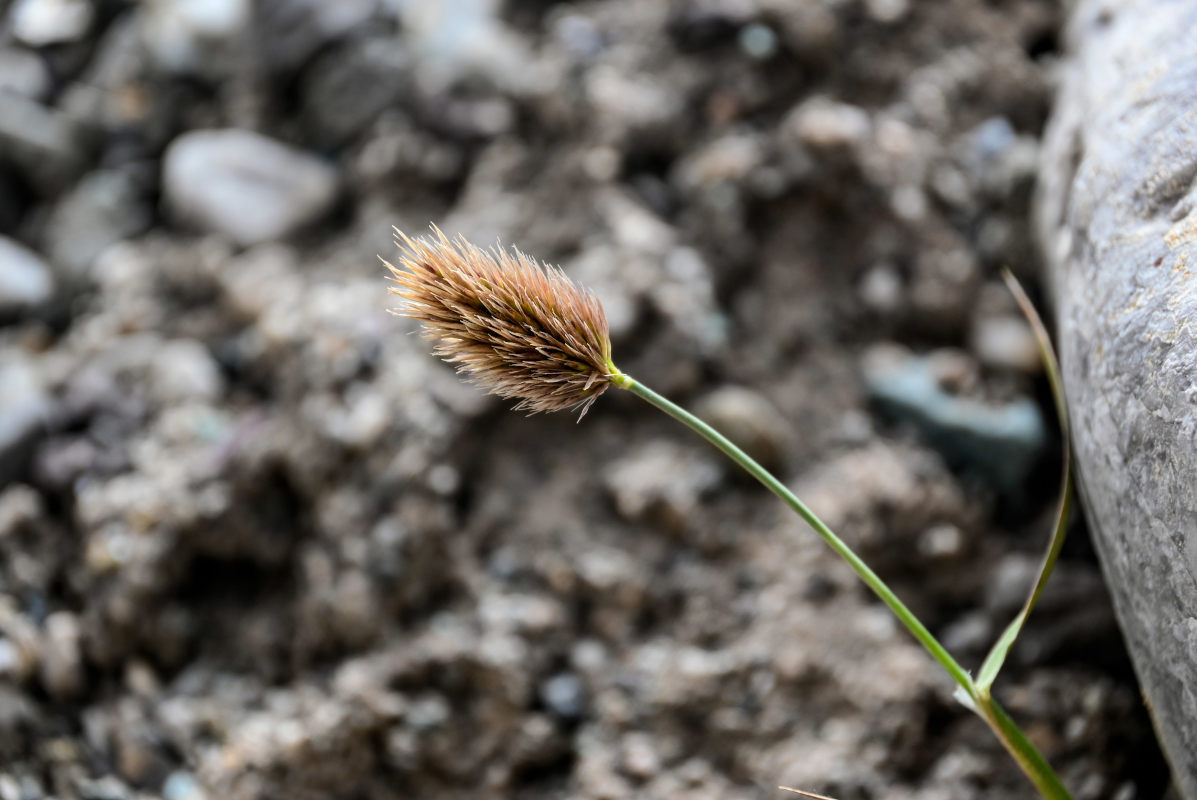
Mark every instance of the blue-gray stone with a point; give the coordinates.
(564, 696)
(1000, 442)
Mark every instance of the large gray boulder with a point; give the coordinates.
(1117, 218)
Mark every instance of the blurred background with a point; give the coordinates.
(256, 543)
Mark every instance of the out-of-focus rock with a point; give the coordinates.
(182, 785)
(660, 482)
(947, 275)
(18, 716)
(1117, 218)
(19, 505)
(998, 160)
(564, 695)
(183, 370)
(347, 88)
(1000, 335)
(849, 490)
(758, 41)
(456, 40)
(245, 186)
(62, 656)
(41, 143)
(881, 289)
(105, 788)
(811, 29)
(1002, 442)
(185, 36)
(640, 757)
(38, 23)
(730, 158)
(121, 95)
(25, 280)
(22, 72)
(302, 742)
(402, 155)
(291, 31)
(749, 420)
(105, 207)
(630, 106)
(1006, 341)
(23, 410)
(20, 645)
(827, 127)
(887, 12)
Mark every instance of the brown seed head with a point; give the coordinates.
(516, 327)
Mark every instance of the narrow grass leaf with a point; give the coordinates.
(997, 656)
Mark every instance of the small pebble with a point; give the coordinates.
(24, 406)
(758, 41)
(23, 73)
(184, 36)
(39, 23)
(185, 370)
(182, 785)
(62, 658)
(823, 125)
(1006, 342)
(25, 279)
(103, 208)
(444, 479)
(245, 186)
(11, 660)
(941, 542)
(887, 12)
(105, 788)
(881, 289)
(564, 696)
(640, 758)
(750, 420)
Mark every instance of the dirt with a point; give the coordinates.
(256, 543)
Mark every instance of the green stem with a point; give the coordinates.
(1033, 765)
(837, 544)
(1036, 768)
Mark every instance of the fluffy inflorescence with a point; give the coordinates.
(515, 327)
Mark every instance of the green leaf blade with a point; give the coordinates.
(997, 655)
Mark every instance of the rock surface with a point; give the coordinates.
(1118, 219)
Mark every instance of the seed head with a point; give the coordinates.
(515, 327)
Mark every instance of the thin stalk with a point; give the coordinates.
(1033, 765)
(929, 642)
(1028, 758)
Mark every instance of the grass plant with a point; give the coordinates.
(524, 331)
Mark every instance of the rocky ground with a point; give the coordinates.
(255, 543)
